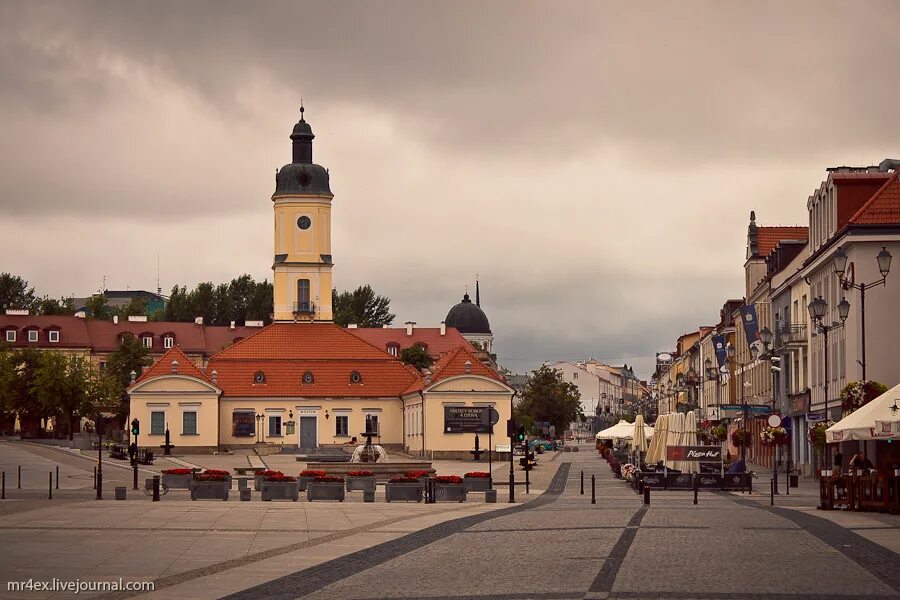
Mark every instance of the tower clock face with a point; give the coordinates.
(304, 222)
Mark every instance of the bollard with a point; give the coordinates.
(582, 482)
(787, 482)
(95, 478)
(695, 489)
(3, 487)
(647, 495)
(57, 476)
(593, 491)
(772, 492)
(99, 485)
(20, 478)
(156, 488)
(51, 485)
(135, 475)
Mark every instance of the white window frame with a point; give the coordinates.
(53, 336)
(11, 335)
(150, 428)
(168, 342)
(346, 432)
(393, 350)
(196, 421)
(32, 333)
(269, 418)
(147, 341)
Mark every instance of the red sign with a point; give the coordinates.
(694, 453)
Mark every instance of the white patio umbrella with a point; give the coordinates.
(620, 431)
(676, 431)
(659, 434)
(640, 434)
(874, 421)
(690, 439)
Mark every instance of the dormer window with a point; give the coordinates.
(168, 342)
(53, 336)
(355, 377)
(11, 336)
(393, 349)
(147, 341)
(259, 377)
(308, 378)
(32, 335)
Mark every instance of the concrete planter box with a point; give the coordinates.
(477, 484)
(304, 481)
(210, 490)
(404, 492)
(361, 484)
(450, 492)
(325, 490)
(177, 482)
(279, 490)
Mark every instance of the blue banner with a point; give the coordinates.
(751, 327)
(721, 352)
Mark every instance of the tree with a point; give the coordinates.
(547, 397)
(20, 400)
(98, 308)
(361, 306)
(136, 306)
(52, 306)
(15, 293)
(131, 355)
(417, 357)
(60, 385)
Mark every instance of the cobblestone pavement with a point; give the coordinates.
(561, 546)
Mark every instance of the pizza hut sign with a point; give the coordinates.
(694, 453)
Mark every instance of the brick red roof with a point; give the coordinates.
(454, 363)
(768, 237)
(883, 208)
(436, 344)
(164, 367)
(72, 331)
(284, 352)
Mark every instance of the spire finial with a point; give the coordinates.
(477, 292)
(301, 109)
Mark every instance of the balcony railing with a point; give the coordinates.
(304, 308)
(790, 334)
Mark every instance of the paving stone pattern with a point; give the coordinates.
(561, 546)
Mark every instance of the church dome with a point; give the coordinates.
(468, 318)
(302, 176)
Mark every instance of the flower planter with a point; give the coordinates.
(258, 478)
(360, 483)
(450, 492)
(304, 482)
(177, 482)
(210, 490)
(477, 484)
(325, 490)
(404, 492)
(279, 490)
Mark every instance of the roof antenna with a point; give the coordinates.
(158, 288)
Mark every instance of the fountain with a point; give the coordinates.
(369, 452)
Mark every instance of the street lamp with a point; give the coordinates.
(765, 336)
(259, 423)
(840, 268)
(817, 309)
(712, 374)
(745, 408)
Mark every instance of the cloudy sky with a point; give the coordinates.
(594, 162)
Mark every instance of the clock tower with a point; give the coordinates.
(302, 262)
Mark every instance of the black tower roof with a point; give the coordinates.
(468, 318)
(302, 176)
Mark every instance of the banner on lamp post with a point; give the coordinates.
(751, 327)
(721, 353)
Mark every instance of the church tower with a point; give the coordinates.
(302, 262)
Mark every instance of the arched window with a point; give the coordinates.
(355, 377)
(308, 378)
(393, 349)
(259, 377)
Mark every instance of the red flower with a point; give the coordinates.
(216, 472)
(268, 473)
(417, 474)
(403, 480)
(277, 476)
(359, 474)
(210, 477)
(478, 475)
(329, 479)
(177, 471)
(312, 473)
(448, 479)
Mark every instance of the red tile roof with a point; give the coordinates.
(193, 338)
(454, 363)
(768, 237)
(436, 344)
(283, 352)
(164, 366)
(72, 331)
(883, 208)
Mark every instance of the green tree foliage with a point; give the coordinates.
(15, 293)
(416, 356)
(361, 306)
(60, 386)
(17, 375)
(131, 355)
(241, 300)
(547, 397)
(99, 308)
(52, 306)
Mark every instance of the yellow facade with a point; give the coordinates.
(173, 396)
(302, 252)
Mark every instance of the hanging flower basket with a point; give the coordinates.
(859, 393)
(816, 434)
(741, 437)
(773, 436)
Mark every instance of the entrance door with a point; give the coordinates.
(308, 432)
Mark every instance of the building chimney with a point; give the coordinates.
(198, 321)
(443, 328)
(468, 366)
(174, 366)
(81, 315)
(351, 326)
(115, 319)
(385, 326)
(409, 327)
(16, 312)
(232, 325)
(427, 377)
(215, 377)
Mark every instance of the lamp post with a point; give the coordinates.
(712, 374)
(744, 407)
(818, 307)
(840, 268)
(259, 424)
(765, 336)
